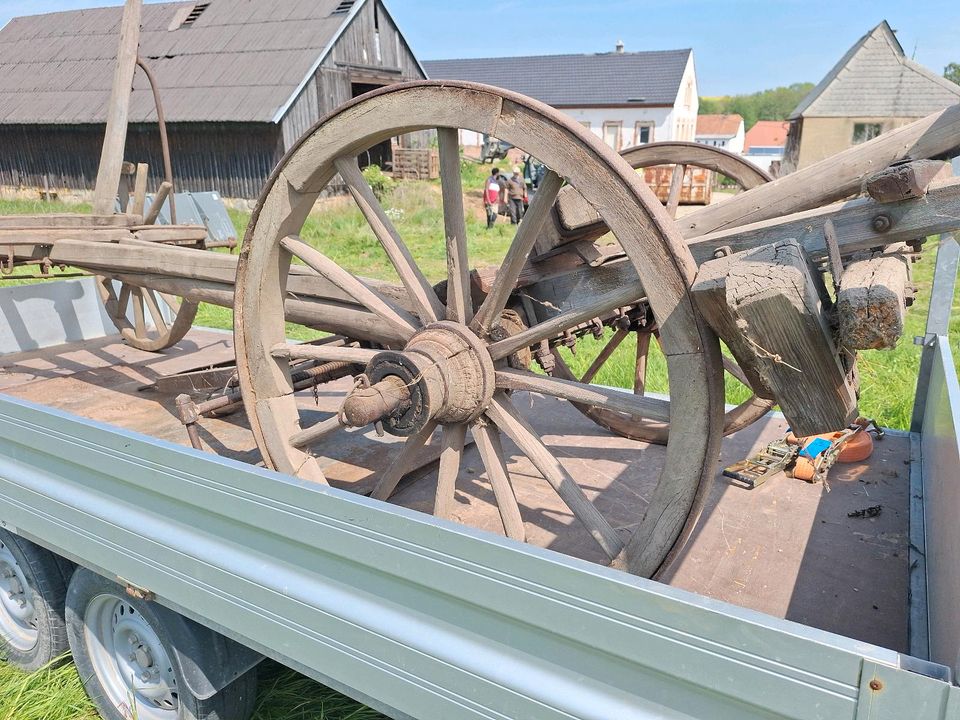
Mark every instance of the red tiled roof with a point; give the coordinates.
(766, 133)
(721, 125)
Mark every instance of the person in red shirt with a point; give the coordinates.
(492, 192)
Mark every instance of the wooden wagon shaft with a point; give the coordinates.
(118, 110)
(162, 261)
(860, 224)
(829, 180)
(322, 314)
(64, 220)
(103, 235)
(856, 223)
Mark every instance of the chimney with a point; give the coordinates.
(619, 47)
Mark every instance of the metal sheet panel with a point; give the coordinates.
(420, 617)
(941, 481)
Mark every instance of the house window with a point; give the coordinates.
(865, 131)
(585, 123)
(642, 133)
(611, 134)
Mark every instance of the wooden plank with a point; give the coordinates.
(67, 220)
(766, 306)
(157, 205)
(140, 190)
(872, 300)
(114, 141)
(491, 453)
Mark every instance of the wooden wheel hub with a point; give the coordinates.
(444, 374)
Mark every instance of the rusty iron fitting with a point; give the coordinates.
(367, 405)
(881, 223)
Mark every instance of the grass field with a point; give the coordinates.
(340, 231)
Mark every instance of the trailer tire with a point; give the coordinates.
(112, 634)
(32, 589)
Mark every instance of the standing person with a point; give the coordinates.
(491, 196)
(516, 190)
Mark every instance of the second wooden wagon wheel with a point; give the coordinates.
(681, 155)
(159, 320)
(453, 364)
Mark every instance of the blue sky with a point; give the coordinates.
(740, 45)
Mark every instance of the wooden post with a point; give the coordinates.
(114, 140)
(872, 299)
(766, 306)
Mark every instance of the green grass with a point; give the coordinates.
(57, 694)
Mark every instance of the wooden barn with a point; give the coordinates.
(240, 81)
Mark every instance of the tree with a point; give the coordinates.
(952, 72)
(775, 104)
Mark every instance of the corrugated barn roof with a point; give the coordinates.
(635, 78)
(232, 61)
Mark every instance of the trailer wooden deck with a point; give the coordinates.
(787, 548)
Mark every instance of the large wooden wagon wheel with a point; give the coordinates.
(681, 155)
(159, 320)
(456, 364)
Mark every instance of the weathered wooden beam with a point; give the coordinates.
(903, 181)
(118, 110)
(67, 220)
(765, 305)
(861, 224)
(833, 178)
(872, 300)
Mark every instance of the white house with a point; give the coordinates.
(625, 98)
(722, 131)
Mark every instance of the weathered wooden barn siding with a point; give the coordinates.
(234, 159)
(353, 59)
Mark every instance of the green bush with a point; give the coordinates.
(381, 183)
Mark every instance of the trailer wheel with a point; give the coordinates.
(128, 661)
(32, 590)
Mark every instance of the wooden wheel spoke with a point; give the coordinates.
(326, 353)
(516, 257)
(608, 350)
(312, 434)
(459, 302)
(159, 321)
(172, 301)
(600, 306)
(640, 368)
(403, 462)
(375, 302)
(425, 300)
(139, 321)
(514, 426)
(592, 395)
(123, 301)
(730, 365)
(676, 186)
(451, 453)
(491, 452)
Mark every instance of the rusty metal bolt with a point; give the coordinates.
(876, 685)
(881, 223)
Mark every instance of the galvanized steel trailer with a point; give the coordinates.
(423, 618)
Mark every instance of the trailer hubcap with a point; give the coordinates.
(18, 619)
(131, 663)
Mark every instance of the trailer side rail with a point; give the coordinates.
(415, 616)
